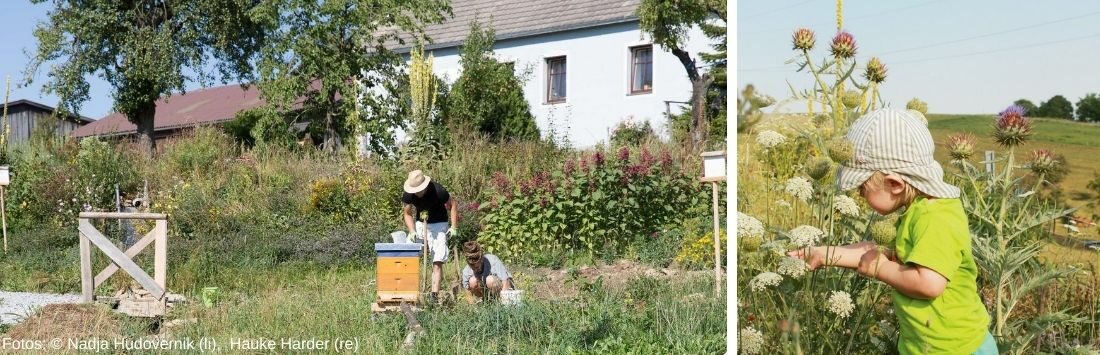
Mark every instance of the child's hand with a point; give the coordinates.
(815, 260)
(872, 260)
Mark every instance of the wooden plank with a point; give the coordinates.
(398, 265)
(717, 245)
(87, 284)
(120, 258)
(123, 215)
(133, 251)
(398, 282)
(160, 254)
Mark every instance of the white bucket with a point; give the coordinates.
(511, 297)
(399, 237)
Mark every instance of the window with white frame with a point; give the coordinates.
(641, 69)
(555, 79)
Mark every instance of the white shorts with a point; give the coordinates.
(437, 240)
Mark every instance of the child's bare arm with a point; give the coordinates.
(911, 280)
(846, 256)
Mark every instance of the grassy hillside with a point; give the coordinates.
(1079, 142)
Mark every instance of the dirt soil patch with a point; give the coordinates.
(563, 284)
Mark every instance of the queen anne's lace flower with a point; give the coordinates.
(775, 247)
(840, 303)
(800, 188)
(765, 280)
(793, 267)
(804, 236)
(752, 341)
(846, 206)
(782, 203)
(770, 139)
(747, 226)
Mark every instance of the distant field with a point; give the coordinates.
(1079, 142)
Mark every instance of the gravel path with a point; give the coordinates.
(15, 306)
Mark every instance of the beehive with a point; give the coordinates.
(398, 272)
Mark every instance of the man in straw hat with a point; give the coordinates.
(423, 194)
(483, 272)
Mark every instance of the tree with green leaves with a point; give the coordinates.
(335, 58)
(488, 96)
(1057, 107)
(144, 50)
(1088, 108)
(717, 105)
(668, 23)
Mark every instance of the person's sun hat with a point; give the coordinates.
(894, 142)
(416, 182)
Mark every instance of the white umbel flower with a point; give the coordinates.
(748, 226)
(800, 188)
(764, 280)
(782, 203)
(840, 303)
(805, 236)
(793, 267)
(775, 247)
(846, 206)
(770, 139)
(752, 340)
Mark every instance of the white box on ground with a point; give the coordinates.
(5, 176)
(714, 165)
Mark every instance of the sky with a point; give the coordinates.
(958, 56)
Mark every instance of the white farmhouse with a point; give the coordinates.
(590, 64)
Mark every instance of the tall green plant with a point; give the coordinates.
(1006, 219)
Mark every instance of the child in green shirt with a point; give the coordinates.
(931, 267)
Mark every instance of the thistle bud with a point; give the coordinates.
(840, 150)
(1012, 128)
(917, 105)
(804, 39)
(960, 146)
(844, 45)
(876, 71)
(883, 232)
(819, 168)
(1043, 161)
(851, 99)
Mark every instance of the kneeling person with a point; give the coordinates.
(483, 272)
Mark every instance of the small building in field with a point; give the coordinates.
(25, 117)
(590, 64)
(178, 113)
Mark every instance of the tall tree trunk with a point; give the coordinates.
(699, 84)
(331, 139)
(146, 133)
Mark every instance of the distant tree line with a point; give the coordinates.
(1088, 108)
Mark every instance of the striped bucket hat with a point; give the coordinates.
(897, 142)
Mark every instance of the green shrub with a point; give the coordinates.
(202, 151)
(594, 204)
(630, 133)
(488, 96)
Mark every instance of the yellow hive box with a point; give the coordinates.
(398, 271)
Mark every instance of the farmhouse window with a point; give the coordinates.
(555, 80)
(641, 73)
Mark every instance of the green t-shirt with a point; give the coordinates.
(935, 234)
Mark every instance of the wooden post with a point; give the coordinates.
(87, 284)
(717, 245)
(4, 218)
(160, 253)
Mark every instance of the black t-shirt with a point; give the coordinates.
(432, 201)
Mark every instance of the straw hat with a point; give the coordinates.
(416, 182)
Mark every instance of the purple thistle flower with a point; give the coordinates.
(1012, 128)
(1016, 110)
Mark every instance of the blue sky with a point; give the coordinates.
(959, 56)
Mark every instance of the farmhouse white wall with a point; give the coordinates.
(597, 78)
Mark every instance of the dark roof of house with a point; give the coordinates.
(205, 106)
(523, 18)
(47, 108)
